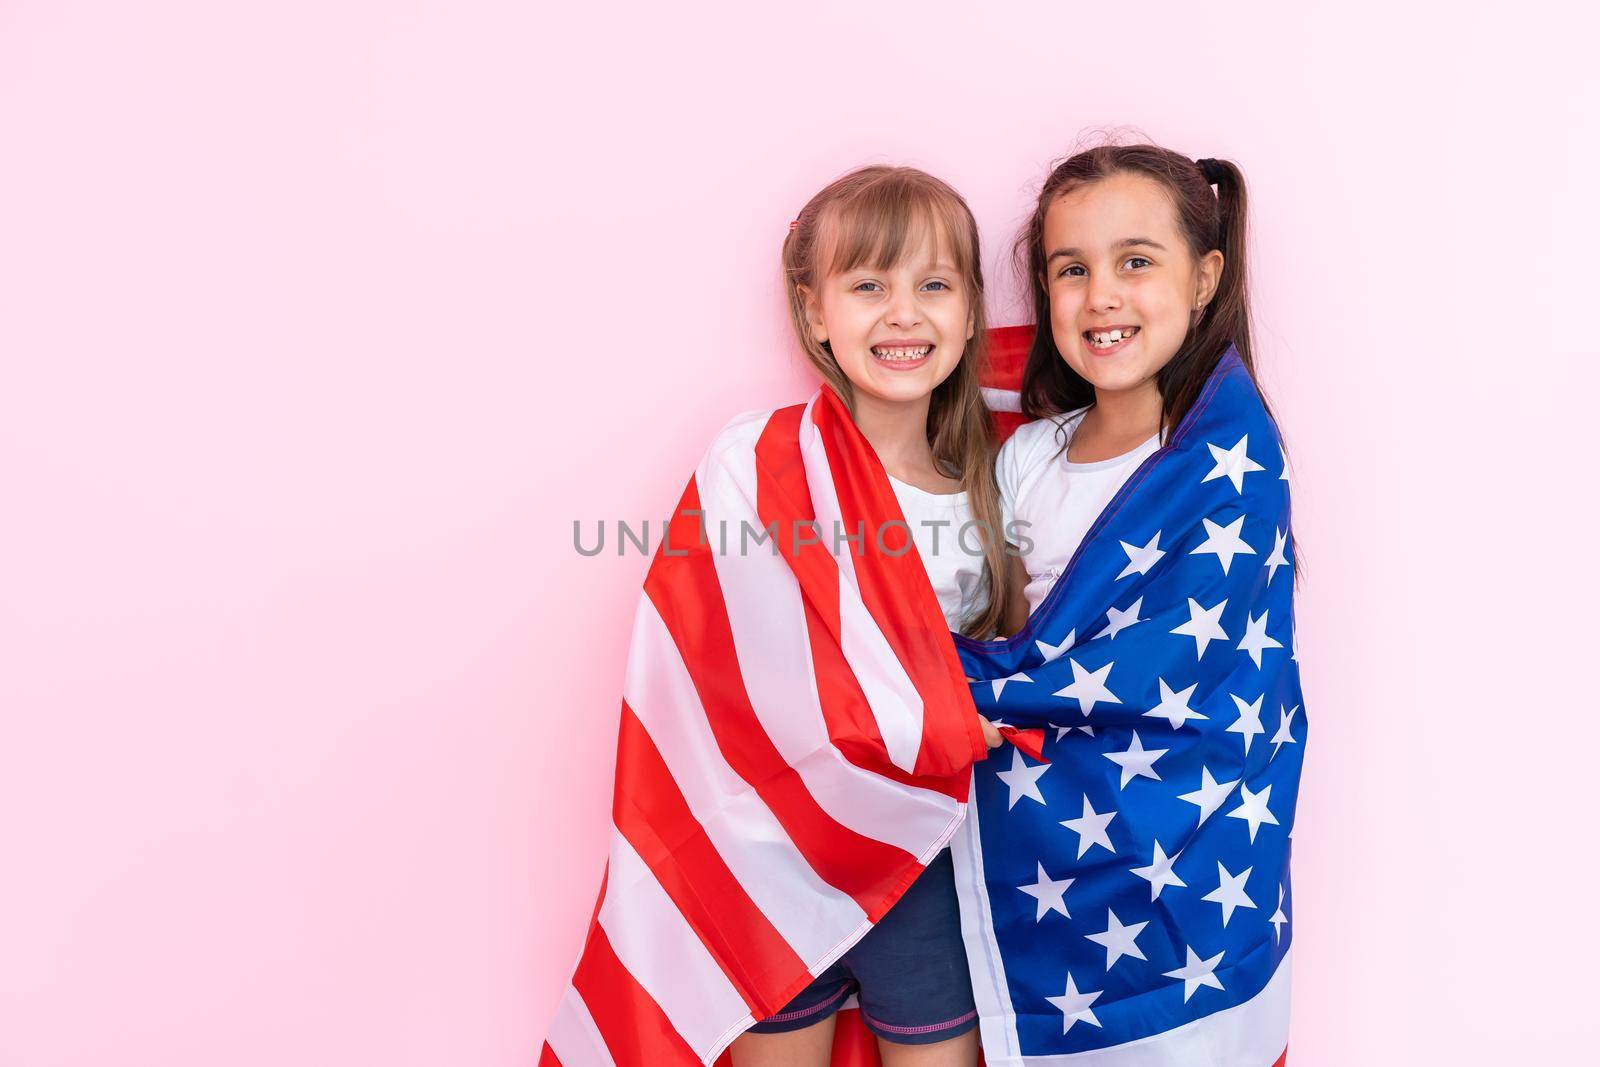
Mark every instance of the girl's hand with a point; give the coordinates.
(991, 734)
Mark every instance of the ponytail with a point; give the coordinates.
(1225, 320)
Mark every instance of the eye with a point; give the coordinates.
(865, 287)
(936, 285)
(1135, 262)
(1074, 270)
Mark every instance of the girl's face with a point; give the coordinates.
(896, 332)
(1123, 285)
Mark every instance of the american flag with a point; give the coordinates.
(797, 736)
(1125, 893)
(796, 744)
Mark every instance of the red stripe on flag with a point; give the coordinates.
(548, 1058)
(782, 496)
(651, 813)
(1008, 355)
(1031, 742)
(683, 587)
(1006, 423)
(635, 1029)
(902, 602)
(853, 1044)
(844, 706)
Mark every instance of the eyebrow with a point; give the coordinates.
(1126, 242)
(940, 267)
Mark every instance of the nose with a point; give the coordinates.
(903, 312)
(1105, 292)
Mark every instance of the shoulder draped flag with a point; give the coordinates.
(796, 744)
(1125, 895)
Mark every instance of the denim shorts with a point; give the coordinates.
(909, 971)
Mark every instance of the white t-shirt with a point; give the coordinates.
(936, 520)
(1059, 500)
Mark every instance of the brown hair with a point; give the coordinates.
(1208, 221)
(875, 216)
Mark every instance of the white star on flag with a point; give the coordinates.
(999, 684)
(1050, 894)
(1140, 560)
(1224, 542)
(1136, 761)
(1204, 625)
(1283, 736)
(1255, 640)
(1196, 973)
(1160, 873)
(1022, 780)
(1051, 652)
(1230, 892)
(1174, 707)
(1253, 809)
(1280, 541)
(1278, 918)
(1063, 731)
(1249, 721)
(1118, 939)
(1209, 797)
(1091, 828)
(1088, 688)
(1232, 463)
(1119, 619)
(1075, 1006)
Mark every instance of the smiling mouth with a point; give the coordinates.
(900, 354)
(1109, 338)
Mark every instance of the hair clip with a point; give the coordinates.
(794, 225)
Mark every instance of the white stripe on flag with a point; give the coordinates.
(1252, 1034)
(997, 1026)
(574, 1037)
(893, 697)
(809, 913)
(767, 615)
(1002, 399)
(664, 954)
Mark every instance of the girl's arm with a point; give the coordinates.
(1017, 610)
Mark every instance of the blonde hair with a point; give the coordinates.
(876, 216)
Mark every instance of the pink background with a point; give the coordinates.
(322, 322)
